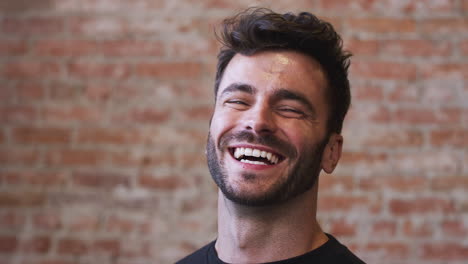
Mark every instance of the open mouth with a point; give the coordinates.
(255, 156)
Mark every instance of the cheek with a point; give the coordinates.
(302, 136)
(220, 123)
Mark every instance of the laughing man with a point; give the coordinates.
(281, 95)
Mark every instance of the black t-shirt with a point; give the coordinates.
(332, 252)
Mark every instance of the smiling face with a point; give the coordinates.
(268, 132)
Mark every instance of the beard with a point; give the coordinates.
(301, 177)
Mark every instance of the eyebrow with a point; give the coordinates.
(283, 94)
(239, 87)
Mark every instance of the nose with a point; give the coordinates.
(261, 120)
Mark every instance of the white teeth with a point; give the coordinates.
(248, 152)
(253, 162)
(256, 153)
(239, 152)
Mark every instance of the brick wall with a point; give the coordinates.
(104, 109)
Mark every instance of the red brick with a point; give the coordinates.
(415, 48)
(398, 183)
(99, 26)
(433, 161)
(170, 70)
(449, 183)
(74, 157)
(18, 114)
(189, 47)
(192, 160)
(41, 135)
(110, 135)
(342, 203)
(38, 244)
(464, 46)
(12, 220)
(72, 113)
(339, 5)
(357, 157)
(133, 48)
(389, 249)
(421, 206)
(71, 246)
(39, 26)
(3, 138)
(108, 247)
(368, 93)
(182, 137)
(457, 138)
(23, 199)
(84, 222)
(455, 228)
(384, 228)
(384, 70)
(136, 248)
(362, 47)
(17, 156)
(444, 71)
(47, 220)
(8, 244)
(445, 251)
(32, 91)
(66, 47)
(143, 115)
(52, 261)
(391, 138)
(130, 159)
(343, 228)
(98, 179)
(59, 91)
(32, 177)
(419, 6)
(381, 25)
(336, 182)
(13, 47)
(426, 115)
(405, 93)
(7, 93)
(165, 183)
(99, 70)
(120, 225)
(198, 113)
(31, 70)
(98, 91)
(442, 26)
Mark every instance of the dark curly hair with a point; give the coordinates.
(260, 29)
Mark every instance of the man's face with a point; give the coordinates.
(268, 130)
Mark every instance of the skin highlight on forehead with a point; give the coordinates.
(279, 63)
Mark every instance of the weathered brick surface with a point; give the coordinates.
(104, 109)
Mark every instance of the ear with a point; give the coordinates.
(332, 152)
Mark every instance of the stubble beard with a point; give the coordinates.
(301, 177)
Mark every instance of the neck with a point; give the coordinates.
(266, 234)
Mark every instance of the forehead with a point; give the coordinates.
(269, 70)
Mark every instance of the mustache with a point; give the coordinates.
(269, 140)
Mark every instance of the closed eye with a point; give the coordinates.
(291, 112)
(236, 102)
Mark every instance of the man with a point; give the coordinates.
(281, 95)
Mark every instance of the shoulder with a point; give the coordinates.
(199, 256)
